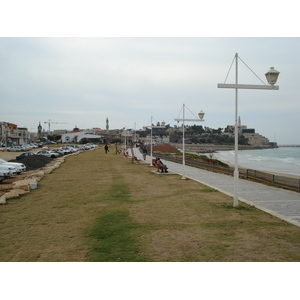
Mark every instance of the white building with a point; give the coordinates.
(76, 137)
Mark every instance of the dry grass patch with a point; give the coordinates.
(99, 207)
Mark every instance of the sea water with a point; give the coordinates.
(285, 160)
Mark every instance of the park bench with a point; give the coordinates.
(159, 166)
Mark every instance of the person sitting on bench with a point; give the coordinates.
(160, 165)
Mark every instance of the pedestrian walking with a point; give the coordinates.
(106, 148)
(145, 151)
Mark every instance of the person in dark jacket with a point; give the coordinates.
(106, 148)
(144, 152)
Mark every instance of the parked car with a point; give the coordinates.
(58, 150)
(77, 147)
(25, 148)
(66, 150)
(47, 153)
(19, 166)
(4, 175)
(34, 146)
(50, 143)
(72, 148)
(85, 147)
(24, 154)
(14, 148)
(91, 145)
(8, 169)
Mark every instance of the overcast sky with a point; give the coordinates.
(83, 81)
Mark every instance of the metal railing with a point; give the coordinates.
(280, 181)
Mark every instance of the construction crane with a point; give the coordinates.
(49, 122)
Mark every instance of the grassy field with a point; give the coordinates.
(101, 207)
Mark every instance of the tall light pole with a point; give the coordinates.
(153, 126)
(201, 115)
(125, 133)
(272, 76)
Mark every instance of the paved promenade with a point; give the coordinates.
(278, 202)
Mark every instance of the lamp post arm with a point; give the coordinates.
(247, 86)
(191, 120)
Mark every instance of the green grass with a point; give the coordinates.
(114, 235)
(115, 238)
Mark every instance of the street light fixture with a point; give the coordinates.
(272, 76)
(201, 115)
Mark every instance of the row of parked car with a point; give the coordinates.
(68, 149)
(26, 147)
(8, 169)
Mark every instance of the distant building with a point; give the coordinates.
(254, 139)
(231, 128)
(59, 131)
(11, 134)
(76, 137)
(257, 140)
(248, 130)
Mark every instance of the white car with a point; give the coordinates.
(19, 166)
(91, 145)
(14, 148)
(47, 153)
(58, 150)
(77, 147)
(8, 169)
(4, 175)
(66, 150)
(72, 148)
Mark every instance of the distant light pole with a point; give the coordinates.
(272, 76)
(125, 133)
(153, 126)
(201, 115)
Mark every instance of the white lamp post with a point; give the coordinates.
(272, 76)
(125, 133)
(153, 126)
(201, 115)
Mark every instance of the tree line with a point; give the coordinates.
(195, 134)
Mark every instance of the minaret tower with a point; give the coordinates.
(107, 125)
(39, 130)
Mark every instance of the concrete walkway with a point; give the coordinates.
(281, 203)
